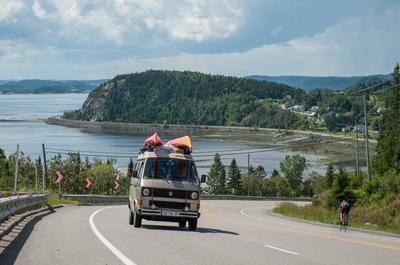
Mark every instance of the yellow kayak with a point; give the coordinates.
(181, 143)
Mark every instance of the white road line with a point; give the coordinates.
(242, 211)
(283, 250)
(107, 243)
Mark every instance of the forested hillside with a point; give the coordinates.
(175, 97)
(322, 82)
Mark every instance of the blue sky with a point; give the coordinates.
(91, 39)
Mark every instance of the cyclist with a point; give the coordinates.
(344, 208)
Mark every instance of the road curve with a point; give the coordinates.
(229, 232)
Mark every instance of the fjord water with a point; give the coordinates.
(37, 106)
(20, 114)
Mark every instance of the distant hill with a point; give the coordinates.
(48, 86)
(4, 81)
(174, 97)
(324, 82)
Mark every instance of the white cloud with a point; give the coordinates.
(354, 46)
(193, 23)
(358, 45)
(38, 11)
(10, 8)
(15, 51)
(120, 21)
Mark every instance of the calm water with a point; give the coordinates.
(31, 134)
(37, 106)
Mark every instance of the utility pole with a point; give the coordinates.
(36, 177)
(366, 137)
(248, 174)
(43, 175)
(44, 167)
(357, 154)
(16, 169)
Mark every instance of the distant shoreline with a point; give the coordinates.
(193, 130)
(42, 93)
(25, 120)
(146, 128)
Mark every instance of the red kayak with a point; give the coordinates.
(153, 141)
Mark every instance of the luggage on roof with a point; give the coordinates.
(178, 145)
(153, 141)
(181, 143)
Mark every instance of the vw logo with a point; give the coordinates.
(170, 193)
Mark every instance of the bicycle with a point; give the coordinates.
(343, 224)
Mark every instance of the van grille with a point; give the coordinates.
(178, 194)
(170, 193)
(169, 205)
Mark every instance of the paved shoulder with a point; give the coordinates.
(63, 237)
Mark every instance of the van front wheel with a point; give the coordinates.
(193, 225)
(182, 224)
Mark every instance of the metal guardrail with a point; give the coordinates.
(14, 204)
(109, 199)
(96, 199)
(253, 198)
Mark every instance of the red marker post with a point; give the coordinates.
(88, 183)
(59, 178)
(116, 184)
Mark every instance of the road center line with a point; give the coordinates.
(107, 243)
(318, 235)
(303, 226)
(283, 250)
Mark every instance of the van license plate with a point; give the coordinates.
(169, 213)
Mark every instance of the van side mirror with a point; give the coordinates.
(203, 179)
(134, 174)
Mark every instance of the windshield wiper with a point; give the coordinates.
(166, 178)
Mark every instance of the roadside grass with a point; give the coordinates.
(7, 194)
(379, 219)
(54, 199)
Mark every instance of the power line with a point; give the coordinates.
(371, 87)
(274, 149)
(89, 155)
(206, 153)
(244, 152)
(90, 151)
(130, 153)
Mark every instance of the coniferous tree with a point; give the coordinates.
(275, 173)
(329, 176)
(341, 189)
(234, 176)
(388, 148)
(216, 176)
(130, 168)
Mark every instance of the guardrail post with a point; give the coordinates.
(16, 169)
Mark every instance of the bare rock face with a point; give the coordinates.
(93, 109)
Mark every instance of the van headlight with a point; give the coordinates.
(194, 195)
(146, 192)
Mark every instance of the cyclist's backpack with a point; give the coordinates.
(346, 206)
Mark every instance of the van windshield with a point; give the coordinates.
(173, 169)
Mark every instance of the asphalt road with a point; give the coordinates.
(229, 232)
